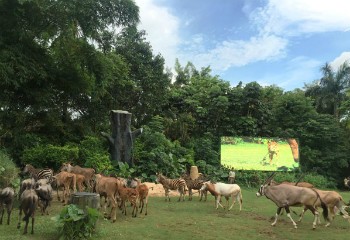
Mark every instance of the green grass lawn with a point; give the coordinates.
(250, 156)
(193, 220)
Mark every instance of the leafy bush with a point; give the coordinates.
(76, 223)
(93, 152)
(50, 156)
(8, 171)
(153, 152)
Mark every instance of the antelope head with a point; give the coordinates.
(263, 186)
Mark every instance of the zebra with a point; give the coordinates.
(178, 184)
(195, 184)
(37, 174)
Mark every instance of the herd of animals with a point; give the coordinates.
(36, 193)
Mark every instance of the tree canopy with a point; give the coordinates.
(64, 65)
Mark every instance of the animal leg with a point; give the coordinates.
(290, 217)
(276, 216)
(33, 219)
(2, 214)
(19, 218)
(218, 202)
(302, 214)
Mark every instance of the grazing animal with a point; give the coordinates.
(285, 196)
(131, 195)
(28, 204)
(65, 180)
(178, 184)
(80, 182)
(333, 200)
(7, 196)
(88, 173)
(195, 184)
(38, 173)
(108, 187)
(294, 147)
(142, 190)
(26, 184)
(273, 150)
(44, 192)
(299, 184)
(226, 190)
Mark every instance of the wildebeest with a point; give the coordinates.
(285, 196)
(44, 192)
(7, 196)
(28, 204)
(226, 190)
(26, 184)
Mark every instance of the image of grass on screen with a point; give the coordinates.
(264, 154)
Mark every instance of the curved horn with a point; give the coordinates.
(269, 178)
(301, 176)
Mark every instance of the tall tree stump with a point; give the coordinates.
(86, 199)
(122, 138)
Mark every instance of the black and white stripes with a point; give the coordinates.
(172, 184)
(37, 174)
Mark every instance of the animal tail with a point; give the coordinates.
(240, 197)
(323, 205)
(31, 209)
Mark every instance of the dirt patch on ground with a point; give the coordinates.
(157, 190)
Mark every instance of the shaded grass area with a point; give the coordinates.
(193, 220)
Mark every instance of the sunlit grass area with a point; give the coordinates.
(252, 156)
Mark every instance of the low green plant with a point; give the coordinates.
(8, 171)
(76, 223)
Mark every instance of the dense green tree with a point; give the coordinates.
(148, 83)
(50, 66)
(328, 92)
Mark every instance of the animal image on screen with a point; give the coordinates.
(258, 153)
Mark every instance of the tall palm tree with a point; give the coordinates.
(329, 91)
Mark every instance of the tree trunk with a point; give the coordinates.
(122, 139)
(85, 199)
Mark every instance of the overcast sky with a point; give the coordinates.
(281, 42)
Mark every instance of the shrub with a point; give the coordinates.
(50, 156)
(93, 153)
(76, 223)
(8, 171)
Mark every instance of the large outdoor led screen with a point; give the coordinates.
(265, 154)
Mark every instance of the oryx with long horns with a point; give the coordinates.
(285, 196)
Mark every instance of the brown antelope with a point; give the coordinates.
(285, 196)
(299, 184)
(333, 200)
(88, 173)
(108, 187)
